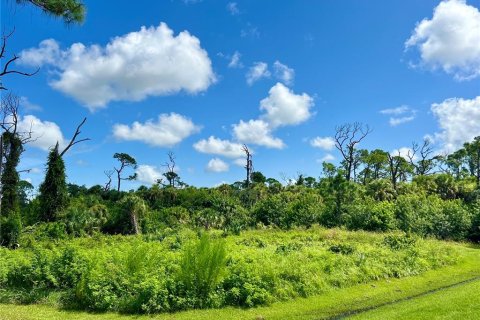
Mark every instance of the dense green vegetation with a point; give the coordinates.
(175, 247)
(179, 270)
(332, 303)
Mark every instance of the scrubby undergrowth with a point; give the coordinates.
(185, 270)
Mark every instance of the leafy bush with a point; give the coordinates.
(399, 242)
(370, 215)
(430, 215)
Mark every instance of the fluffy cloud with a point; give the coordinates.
(45, 134)
(256, 72)
(48, 52)
(216, 165)
(459, 121)
(149, 62)
(256, 132)
(400, 115)
(327, 158)
(168, 130)
(220, 147)
(283, 72)
(325, 143)
(283, 107)
(450, 39)
(29, 106)
(148, 174)
(241, 162)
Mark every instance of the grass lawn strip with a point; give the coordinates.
(458, 302)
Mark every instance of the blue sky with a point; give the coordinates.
(204, 77)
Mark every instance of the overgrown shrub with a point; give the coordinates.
(370, 215)
(202, 268)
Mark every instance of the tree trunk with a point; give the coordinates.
(136, 228)
(1, 166)
(118, 181)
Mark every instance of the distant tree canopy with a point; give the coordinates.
(71, 11)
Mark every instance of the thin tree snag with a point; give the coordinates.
(249, 165)
(347, 136)
(73, 140)
(108, 184)
(6, 66)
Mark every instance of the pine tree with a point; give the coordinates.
(71, 11)
(53, 191)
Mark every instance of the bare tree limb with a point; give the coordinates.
(6, 69)
(73, 141)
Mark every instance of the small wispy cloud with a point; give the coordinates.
(400, 115)
(235, 60)
(232, 7)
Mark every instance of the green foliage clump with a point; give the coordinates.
(202, 268)
(370, 215)
(399, 242)
(432, 216)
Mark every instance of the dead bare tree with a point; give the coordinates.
(7, 65)
(109, 174)
(347, 136)
(249, 165)
(170, 174)
(425, 164)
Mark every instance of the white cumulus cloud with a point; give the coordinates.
(459, 122)
(219, 147)
(325, 143)
(450, 39)
(149, 62)
(283, 107)
(45, 134)
(148, 174)
(327, 158)
(217, 165)
(256, 132)
(168, 130)
(283, 72)
(256, 72)
(241, 162)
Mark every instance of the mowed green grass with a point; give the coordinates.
(460, 302)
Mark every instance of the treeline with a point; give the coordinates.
(421, 193)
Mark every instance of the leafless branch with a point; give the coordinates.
(6, 66)
(73, 141)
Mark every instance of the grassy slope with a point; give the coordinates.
(328, 305)
(462, 302)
